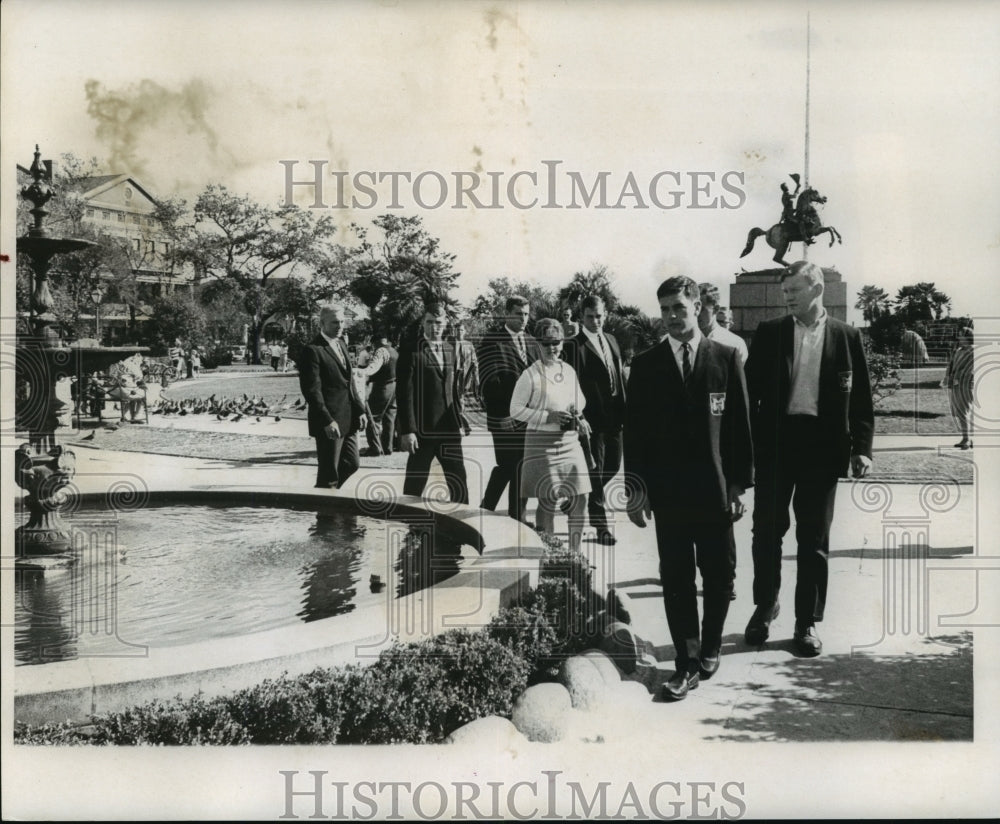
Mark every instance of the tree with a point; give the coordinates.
(921, 302)
(225, 313)
(491, 305)
(177, 316)
(873, 302)
(595, 281)
(634, 330)
(398, 270)
(236, 239)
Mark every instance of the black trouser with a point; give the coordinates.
(338, 459)
(508, 447)
(800, 476)
(447, 448)
(606, 449)
(382, 422)
(687, 540)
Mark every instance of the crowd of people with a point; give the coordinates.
(697, 421)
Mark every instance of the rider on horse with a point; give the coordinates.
(798, 219)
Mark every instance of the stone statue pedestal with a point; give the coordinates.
(756, 296)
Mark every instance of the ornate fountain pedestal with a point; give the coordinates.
(45, 535)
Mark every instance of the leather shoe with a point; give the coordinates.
(759, 626)
(680, 685)
(709, 665)
(806, 640)
(606, 538)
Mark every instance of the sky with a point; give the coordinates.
(903, 120)
(904, 115)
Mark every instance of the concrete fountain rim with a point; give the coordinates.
(509, 559)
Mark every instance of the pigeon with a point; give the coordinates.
(89, 437)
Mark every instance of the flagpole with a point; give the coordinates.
(805, 165)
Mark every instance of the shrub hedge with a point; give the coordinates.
(413, 693)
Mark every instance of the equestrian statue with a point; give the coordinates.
(800, 223)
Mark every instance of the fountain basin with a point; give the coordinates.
(505, 564)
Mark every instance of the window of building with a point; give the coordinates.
(135, 219)
(121, 217)
(106, 214)
(136, 243)
(90, 212)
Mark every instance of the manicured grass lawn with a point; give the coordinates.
(919, 407)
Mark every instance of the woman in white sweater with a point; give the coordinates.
(548, 399)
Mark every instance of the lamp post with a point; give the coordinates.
(95, 295)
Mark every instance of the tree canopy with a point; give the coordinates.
(249, 244)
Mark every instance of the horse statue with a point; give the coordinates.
(803, 227)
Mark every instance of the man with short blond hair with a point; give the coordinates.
(813, 420)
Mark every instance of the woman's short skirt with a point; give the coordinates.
(554, 466)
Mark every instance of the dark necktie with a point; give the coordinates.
(522, 352)
(608, 362)
(686, 362)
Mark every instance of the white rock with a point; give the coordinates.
(492, 732)
(603, 662)
(584, 681)
(541, 713)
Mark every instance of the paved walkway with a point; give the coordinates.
(905, 573)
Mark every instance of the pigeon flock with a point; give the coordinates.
(231, 409)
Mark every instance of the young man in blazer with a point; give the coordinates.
(336, 411)
(688, 459)
(812, 416)
(595, 356)
(503, 355)
(429, 403)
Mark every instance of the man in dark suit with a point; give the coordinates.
(503, 355)
(336, 411)
(688, 459)
(811, 410)
(595, 356)
(429, 405)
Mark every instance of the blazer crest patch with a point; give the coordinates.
(717, 402)
(845, 381)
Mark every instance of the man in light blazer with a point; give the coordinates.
(503, 355)
(429, 400)
(595, 356)
(812, 416)
(336, 411)
(688, 459)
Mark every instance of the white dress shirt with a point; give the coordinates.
(677, 347)
(808, 354)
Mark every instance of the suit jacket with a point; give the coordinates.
(687, 443)
(499, 368)
(328, 388)
(427, 393)
(604, 412)
(846, 415)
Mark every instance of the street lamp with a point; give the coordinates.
(95, 295)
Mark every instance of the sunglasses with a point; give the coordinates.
(551, 342)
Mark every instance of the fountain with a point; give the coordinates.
(42, 360)
(71, 574)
